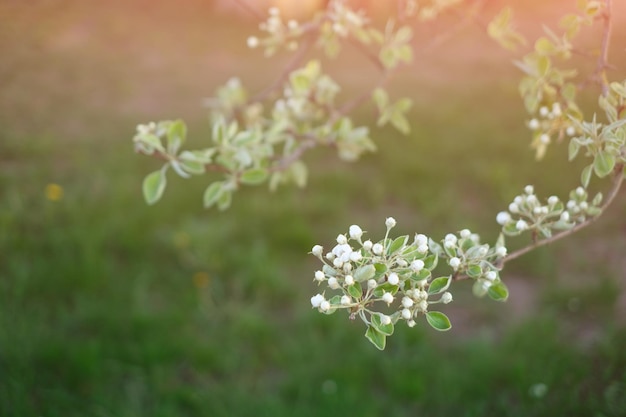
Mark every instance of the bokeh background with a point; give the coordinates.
(109, 307)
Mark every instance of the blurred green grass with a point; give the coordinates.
(113, 308)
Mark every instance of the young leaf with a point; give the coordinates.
(386, 329)
(355, 290)
(498, 292)
(585, 176)
(212, 194)
(176, 134)
(438, 320)
(397, 244)
(439, 285)
(377, 338)
(254, 176)
(365, 272)
(603, 163)
(153, 186)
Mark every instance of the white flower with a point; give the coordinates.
(421, 240)
(423, 305)
(253, 42)
(533, 124)
(454, 262)
(393, 279)
(543, 111)
(422, 248)
(417, 265)
(583, 205)
(345, 300)
(482, 251)
(316, 300)
(333, 283)
(367, 245)
(407, 302)
(371, 284)
(385, 319)
(580, 191)
(553, 200)
(571, 204)
(349, 280)
(387, 297)
(446, 297)
(411, 323)
(342, 240)
(571, 130)
(491, 275)
(521, 225)
(465, 233)
(319, 276)
(544, 138)
(538, 210)
(449, 244)
(503, 218)
(337, 263)
(513, 208)
(406, 314)
(330, 256)
(355, 232)
(556, 109)
(377, 248)
(518, 200)
(475, 237)
(317, 250)
(565, 216)
(324, 305)
(390, 222)
(529, 189)
(274, 11)
(347, 267)
(532, 199)
(501, 251)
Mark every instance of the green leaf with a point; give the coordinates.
(543, 46)
(254, 176)
(153, 186)
(474, 271)
(355, 290)
(603, 163)
(572, 149)
(439, 285)
(365, 272)
(431, 262)
(397, 244)
(478, 289)
(585, 176)
(193, 167)
(386, 329)
(224, 201)
(176, 135)
(386, 287)
(377, 338)
(438, 320)
(498, 292)
(213, 193)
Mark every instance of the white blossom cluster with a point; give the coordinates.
(466, 255)
(280, 32)
(394, 273)
(526, 212)
(343, 20)
(550, 121)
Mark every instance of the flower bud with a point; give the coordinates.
(317, 250)
(371, 284)
(411, 323)
(253, 42)
(529, 189)
(385, 319)
(556, 109)
(465, 233)
(324, 305)
(345, 300)
(377, 248)
(565, 216)
(513, 208)
(543, 111)
(417, 265)
(316, 300)
(533, 124)
(393, 279)
(454, 262)
(580, 191)
(406, 314)
(421, 239)
(355, 256)
(553, 200)
(319, 276)
(422, 248)
(446, 297)
(491, 275)
(501, 251)
(571, 131)
(367, 245)
(450, 238)
(407, 302)
(387, 297)
(423, 305)
(342, 240)
(390, 222)
(503, 218)
(521, 225)
(544, 138)
(348, 280)
(355, 232)
(333, 283)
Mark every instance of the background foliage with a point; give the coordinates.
(113, 308)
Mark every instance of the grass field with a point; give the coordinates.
(109, 307)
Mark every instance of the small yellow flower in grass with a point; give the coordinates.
(54, 192)
(201, 279)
